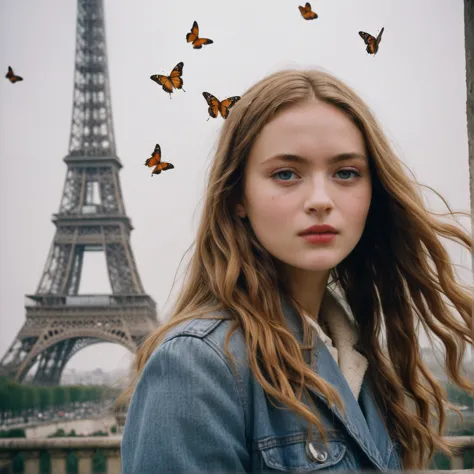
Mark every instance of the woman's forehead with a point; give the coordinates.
(308, 130)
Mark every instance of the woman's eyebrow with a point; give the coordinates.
(292, 158)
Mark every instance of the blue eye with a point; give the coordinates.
(282, 174)
(346, 174)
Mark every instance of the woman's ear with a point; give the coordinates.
(241, 211)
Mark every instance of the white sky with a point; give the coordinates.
(415, 85)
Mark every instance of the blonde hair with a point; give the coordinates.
(398, 275)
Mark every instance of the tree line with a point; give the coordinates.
(17, 400)
(459, 397)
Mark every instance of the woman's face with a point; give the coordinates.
(308, 166)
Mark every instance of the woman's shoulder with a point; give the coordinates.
(203, 338)
(210, 327)
(187, 393)
(200, 327)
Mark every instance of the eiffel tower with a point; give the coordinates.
(92, 217)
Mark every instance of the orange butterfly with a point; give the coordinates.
(11, 76)
(155, 161)
(173, 81)
(371, 42)
(307, 13)
(194, 37)
(216, 106)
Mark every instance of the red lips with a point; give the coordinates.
(319, 229)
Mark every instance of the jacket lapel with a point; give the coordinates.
(353, 418)
(375, 421)
(367, 431)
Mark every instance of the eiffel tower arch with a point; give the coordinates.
(59, 321)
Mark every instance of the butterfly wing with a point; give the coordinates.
(194, 34)
(379, 37)
(307, 13)
(227, 104)
(369, 41)
(155, 157)
(157, 149)
(175, 76)
(163, 81)
(310, 16)
(163, 166)
(213, 103)
(198, 44)
(10, 75)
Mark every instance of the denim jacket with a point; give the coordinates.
(191, 413)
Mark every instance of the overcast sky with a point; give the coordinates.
(415, 85)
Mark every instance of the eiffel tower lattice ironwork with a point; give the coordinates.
(59, 321)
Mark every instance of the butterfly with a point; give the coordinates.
(371, 42)
(12, 77)
(216, 106)
(307, 13)
(194, 37)
(173, 81)
(155, 160)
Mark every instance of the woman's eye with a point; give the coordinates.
(346, 174)
(284, 175)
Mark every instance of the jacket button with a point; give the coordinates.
(316, 455)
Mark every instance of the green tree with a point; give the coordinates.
(75, 395)
(45, 398)
(4, 400)
(60, 396)
(459, 397)
(16, 398)
(31, 399)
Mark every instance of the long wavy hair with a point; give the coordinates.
(398, 276)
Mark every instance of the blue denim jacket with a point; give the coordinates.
(190, 413)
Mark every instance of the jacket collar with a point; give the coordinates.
(366, 429)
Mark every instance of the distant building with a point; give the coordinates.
(97, 376)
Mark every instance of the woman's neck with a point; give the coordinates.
(307, 288)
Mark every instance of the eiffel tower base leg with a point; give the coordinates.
(46, 344)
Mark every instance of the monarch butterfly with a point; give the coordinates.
(371, 42)
(155, 160)
(194, 37)
(216, 106)
(10, 75)
(307, 13)
(174, 80)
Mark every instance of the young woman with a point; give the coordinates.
(293, 346)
